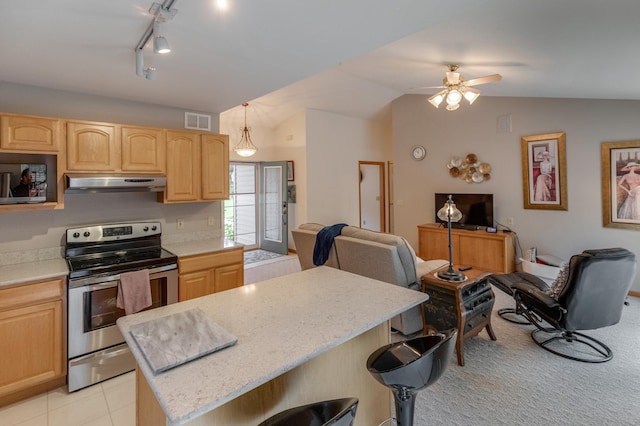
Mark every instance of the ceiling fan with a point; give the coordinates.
(456, 88)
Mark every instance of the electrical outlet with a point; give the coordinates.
(180, 224)
(211, 221)
(510, 221)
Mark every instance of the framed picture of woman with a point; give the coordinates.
(544, 171)
(621, 184)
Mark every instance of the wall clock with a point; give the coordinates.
(418, 153)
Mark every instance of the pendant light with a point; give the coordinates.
(245, 148)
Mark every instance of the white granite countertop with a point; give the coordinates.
(280, 324)
(32, 271)
(210, 245)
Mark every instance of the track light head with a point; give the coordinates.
(161, 45)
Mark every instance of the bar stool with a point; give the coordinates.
(407, 367)
(335, 412)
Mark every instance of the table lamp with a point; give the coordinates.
(450, 213)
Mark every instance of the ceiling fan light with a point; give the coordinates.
(453, 107)
(454, 97)
(437, 99)
(471, 95)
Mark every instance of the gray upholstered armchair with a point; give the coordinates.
(590, 296)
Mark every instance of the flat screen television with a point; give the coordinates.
(476, 209)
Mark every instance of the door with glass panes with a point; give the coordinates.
(256, 212)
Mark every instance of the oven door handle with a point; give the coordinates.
(96, 287)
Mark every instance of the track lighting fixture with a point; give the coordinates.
(161, 14)
(149, 73)
(160, 44)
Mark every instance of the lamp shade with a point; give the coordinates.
(471, 94)
(449, 210)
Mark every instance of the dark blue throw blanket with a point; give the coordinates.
(324, 241)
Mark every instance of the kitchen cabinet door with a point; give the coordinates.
(215, 167)
(228, 277)
(194, 284)
(92, 147)
(143, 149)
(27, 133)
(31, 330)
(183, 167)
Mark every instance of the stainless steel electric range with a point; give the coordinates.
(96, 256)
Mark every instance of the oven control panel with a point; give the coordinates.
(113, 232)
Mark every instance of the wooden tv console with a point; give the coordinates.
(492, 252)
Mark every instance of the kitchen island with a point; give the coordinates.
(302, 338)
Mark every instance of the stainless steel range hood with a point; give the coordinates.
(81, 183)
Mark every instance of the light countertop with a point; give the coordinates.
(201, 246)
(26, 272)
(32, 271)
(280, 324)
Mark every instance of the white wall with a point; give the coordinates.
(587, 124)
(335, 144)
(22, 99)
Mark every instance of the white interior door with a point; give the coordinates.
(274, 208)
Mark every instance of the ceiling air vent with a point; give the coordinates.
(197, 121)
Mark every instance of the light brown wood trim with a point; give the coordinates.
(31, 293)
(634, 293)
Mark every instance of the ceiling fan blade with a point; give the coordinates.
(483, 80)
(426, 87)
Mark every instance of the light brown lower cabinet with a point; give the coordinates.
(204, 274)
(33, 358)
(485, 251)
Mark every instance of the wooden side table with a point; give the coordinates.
(464, 305)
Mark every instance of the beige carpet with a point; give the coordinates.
(512, 381)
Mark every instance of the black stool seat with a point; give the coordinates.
(407, 367)
(335, 412)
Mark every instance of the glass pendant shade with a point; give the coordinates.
(245, 148)
(437, 99)
(471, 95)
(454, 97)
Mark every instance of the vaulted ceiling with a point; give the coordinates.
(350, 57)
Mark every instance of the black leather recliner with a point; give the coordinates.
(593, 297)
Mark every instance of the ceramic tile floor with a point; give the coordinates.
(110, 403)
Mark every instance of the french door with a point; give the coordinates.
(273, 205)
(256, 212)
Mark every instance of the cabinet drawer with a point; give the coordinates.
(30, 293)
(208, 261)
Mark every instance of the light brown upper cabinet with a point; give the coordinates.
(26, 133)
(96, 147)
(197, 167)
(143, 149)
(92, 146)
(215, 167)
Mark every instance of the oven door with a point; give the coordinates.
(93, 312)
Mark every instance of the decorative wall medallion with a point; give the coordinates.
(469, 169)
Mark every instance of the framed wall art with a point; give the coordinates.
(621, 184)
(544, 171)
(290, 175)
